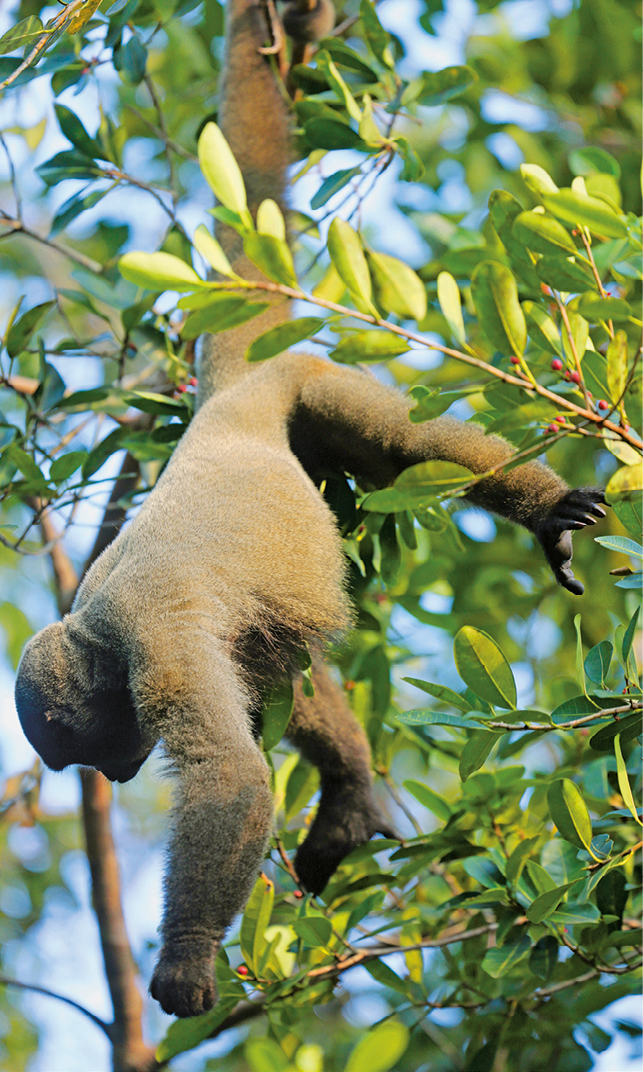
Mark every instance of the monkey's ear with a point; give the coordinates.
(576, 509)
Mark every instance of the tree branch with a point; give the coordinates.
(107, 1028)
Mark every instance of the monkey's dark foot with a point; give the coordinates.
(345, 819)
(184, 982)
(576, 509)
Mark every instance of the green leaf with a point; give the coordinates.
(544, 957)
(75, 132)
(518, 859)
(373, 345)
(384, 975)
(591, 160)
(628, 726)
(72, 208)
(565, 273)
(617, 365)
(347, 254)
(332, 185)
(569, 812)
(416, 487)
(547, 903)
(594, 308)
(583, 211)
(451, 306)
(272, 255)
(378, 42)
(102, 451)
(476, 751)
(437, 87)
(27, 466)
(500, 960)
(187, 1033)
(424, 716)
(575, 912)
(330, 134)
(427, 797)
(628, 636)
(158, 271)
(316, 931)
(211, 251)
(149, 402)
(336, 82)
(21, 330)
(255, 920)
(397, 287)
(23, 35)
(441, 692)
(623, 780)
(221, 313)
(62, 468)
(265, 1055)
(620, 543)
(542, 329)
(278, 339)
(277, 709)
(597, 662)
(130, 59)
(495, 297)
(383, 1046)
(542, 233)
(483, 667)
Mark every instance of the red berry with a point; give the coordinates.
(567, 375)
(545, 289)
(560, 419)
(193, 382)
(557, 364)
(298, 894)
(242, 970)
(349, 685)
(574, 376)
(602, 404)
(515, 360)
(182, 388)
(552, 427)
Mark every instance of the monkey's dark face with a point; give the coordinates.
(65, 720)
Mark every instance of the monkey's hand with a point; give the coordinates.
(577, 508)
(183, 982)
(308, 20)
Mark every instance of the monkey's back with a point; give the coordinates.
(239, 507)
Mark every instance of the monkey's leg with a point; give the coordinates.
(326, 733)
(222, 823)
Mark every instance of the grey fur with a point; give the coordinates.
(232, 563)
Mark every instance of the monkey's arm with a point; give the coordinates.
(347, 420)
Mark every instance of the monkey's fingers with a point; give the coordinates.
(575, 510)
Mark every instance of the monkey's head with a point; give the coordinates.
(66, 717)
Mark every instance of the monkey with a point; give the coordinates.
(233, 564)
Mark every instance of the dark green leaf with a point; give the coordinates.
(628, 726)
(316, 931)
(544, 957)
(476, 751)
(431, 800)
(21, 330)
(99, 455)
(500, 960)
(280, 338)
(441, 692)
(547, 903)
(569, 812)
(332, 185)
(277, 709)
(75, 132)
(597, 662)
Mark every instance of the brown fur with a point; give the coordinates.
(233, 562)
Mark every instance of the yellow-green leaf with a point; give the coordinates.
(221, 171)
(347, 254)
(211, 251)
(158, 271)
(475, 752)
(272, 255)
(369, 346)
(542, 328)
(252, 934)
(270, 220)
(451, 306)
(569, 812)
(537, 179)
(623, 780)
(381, 1049)
(617, 365)
(588, 212)
(542, 233)
(398, 289)
(278, 339)
(483, 667)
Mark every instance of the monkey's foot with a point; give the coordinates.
(345, 819)
(184, 982)
(577, 508)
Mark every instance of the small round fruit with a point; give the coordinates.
(515, 360)
(242, 970)
(574, 376)
(557, 364)
(602, 404)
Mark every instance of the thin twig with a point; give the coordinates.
(107, 1028)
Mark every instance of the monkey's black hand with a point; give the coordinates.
(183, 982)
(579, 507)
